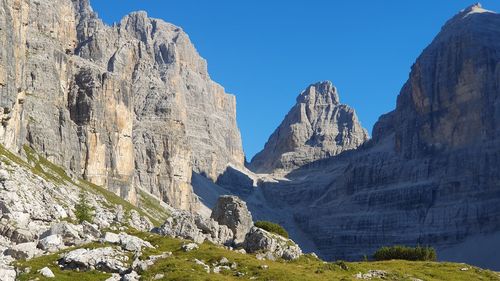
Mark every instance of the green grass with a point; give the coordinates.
(50, 261)
(39, 165)
(152, 205)
(181, 266)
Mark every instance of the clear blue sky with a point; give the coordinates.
(266, 52)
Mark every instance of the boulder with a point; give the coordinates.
(8, 273)
(181, 224)
(111, 237)
(90, 231)
(51, 243)
(68, 232)
(139, 222)
(133, 243)
(270, 245)
(132, 276)
(104, 259)
(233, 212)
(26, 251)
(189, 247)
(46, 272)
(214, 232)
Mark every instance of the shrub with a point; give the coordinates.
(83, 210)
(405, 253)
(272, 227)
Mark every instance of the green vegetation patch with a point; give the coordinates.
(272, 227)
(405, 253)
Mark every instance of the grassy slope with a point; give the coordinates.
(181, 266)
(42, 167)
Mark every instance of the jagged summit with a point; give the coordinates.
(318, 126)
(324, 91)
(465, 14)
(474, 9)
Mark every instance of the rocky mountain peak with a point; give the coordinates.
(320, 92)
(318, 126)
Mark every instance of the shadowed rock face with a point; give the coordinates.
(318, 126)
(431, 174)
(126, 106)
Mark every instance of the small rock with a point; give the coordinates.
(206, 267)
(133, 243)
(264, 266)
(51, 243)
(46, 272)
(111, 237)
(23, 251)
(132, 276)
(189, 247)
(158, 276)
(464, 269)
(8, 273)
(219, 268)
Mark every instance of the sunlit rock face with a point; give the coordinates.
(125, 106)
(317, 127)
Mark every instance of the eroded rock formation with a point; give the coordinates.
(317, 127)
(125, 106)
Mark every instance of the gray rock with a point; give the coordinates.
(51, 243)
(139, 222)
(205, 266)
(272, 246)
(105, 259)
(23, 251)
(8, 273)
(90, 230)
(46, 272)
(233, 212)
(317, 127)
(158, 276)
(132, 276)
(133, 243)
(111, 237)
(68, 232)
(181, 225)
(124, 103)
(189, 247)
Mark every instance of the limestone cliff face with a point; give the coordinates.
(451, 98)
(431, 174)
(317, 127)
(126, 106)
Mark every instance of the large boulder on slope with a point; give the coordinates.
(233, 212)
(270, 244)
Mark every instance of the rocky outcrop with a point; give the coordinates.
(232, 212)
(185, 225)
(105, 259)
(230, 225)
(272, 245)
(129, 106)
(317, 127)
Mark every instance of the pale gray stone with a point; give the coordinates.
(105, 259)
(233, 212)
(272, 246)
(46, 272)
(317, 127)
